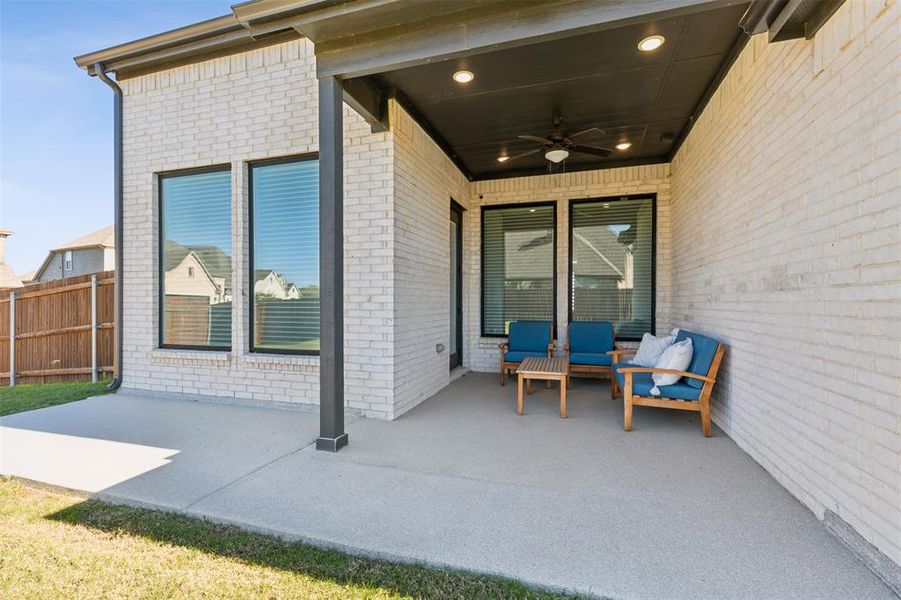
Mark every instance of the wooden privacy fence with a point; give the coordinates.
(63, 330)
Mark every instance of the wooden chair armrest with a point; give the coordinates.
(503, 346)
(619, 352)
(668, 371)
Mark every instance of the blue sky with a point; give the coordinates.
(56, 122)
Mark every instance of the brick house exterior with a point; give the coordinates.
(764, 239)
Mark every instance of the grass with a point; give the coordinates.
(40, 395)
(56, 545)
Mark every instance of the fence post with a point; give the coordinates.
(93, 328)
(12, 339)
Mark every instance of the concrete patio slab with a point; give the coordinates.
(154, 451)
(661, 512)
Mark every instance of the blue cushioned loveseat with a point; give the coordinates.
(526, 338)
(691, 392)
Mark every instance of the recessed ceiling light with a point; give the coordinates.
(463, 76)
(651, 43)
(503, 158)
(624, 145)
(531, 210)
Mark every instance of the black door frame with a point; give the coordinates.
(455, 359)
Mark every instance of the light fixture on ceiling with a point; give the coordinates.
(464, 76)
(652, 42)
(531, 210)
(503, 159)
(624, 145)
(556, 154)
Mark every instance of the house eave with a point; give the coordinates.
(200, 41)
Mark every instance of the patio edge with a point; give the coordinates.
(881, 565)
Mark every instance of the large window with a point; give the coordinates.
(518, 267)
(285, 260)
(611, 256)
(195, 260)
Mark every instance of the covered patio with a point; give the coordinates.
(462, 481)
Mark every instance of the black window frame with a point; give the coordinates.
(489, 207)
(569, 261)
(161, 240)
(308, 156)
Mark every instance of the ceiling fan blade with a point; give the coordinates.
(522, 154)
(535, 138)
(593, 131)
(602, 152)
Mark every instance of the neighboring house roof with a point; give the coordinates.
(26, 277)
(102, 238)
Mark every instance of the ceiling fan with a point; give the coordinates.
(557, 146)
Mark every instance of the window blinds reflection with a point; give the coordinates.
(195, 229)
(611, 265)
(518, 266)
(285, 206)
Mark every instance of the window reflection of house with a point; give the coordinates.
(181, 281)
(271, 284)
(198, 271)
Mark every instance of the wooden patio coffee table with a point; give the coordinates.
(548, 369)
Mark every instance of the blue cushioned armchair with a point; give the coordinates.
(589, 347)
(527, 338)
(692, 392)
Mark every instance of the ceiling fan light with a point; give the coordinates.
(464, 76)
(556, 155)
(624, 145)
(652, 42)
(502, 159)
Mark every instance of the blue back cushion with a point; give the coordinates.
(704, 349)
(530, 335)
(591, 336)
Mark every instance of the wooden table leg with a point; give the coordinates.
(519, 395)
(529, 387)
(563, 398)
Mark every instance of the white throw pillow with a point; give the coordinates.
(677, 357)
(652, 347)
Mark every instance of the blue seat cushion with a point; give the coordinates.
(514, 356)
(642, 384)
(590, 358)
(529, 336)
(594, 337)
(704, 349)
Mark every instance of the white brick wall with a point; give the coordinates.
(425, 180)
(786, 244)
(482, 353)
(250, 106)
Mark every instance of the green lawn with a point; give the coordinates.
(31, 396)
(54, 545)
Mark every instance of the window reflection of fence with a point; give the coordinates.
(288, 324)
(529, 304)
(193, 321)
(603, 304)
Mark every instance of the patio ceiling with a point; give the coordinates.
(599, 79)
